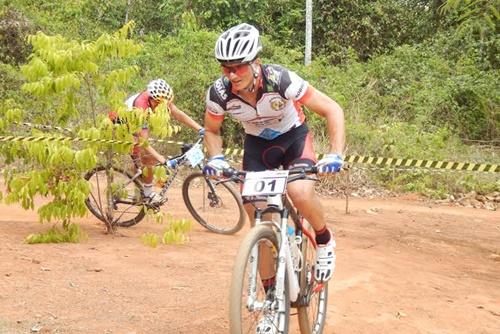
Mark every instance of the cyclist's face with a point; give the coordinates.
(240, 75)
(154, 102)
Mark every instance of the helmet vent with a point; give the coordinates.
(244, 47)
(228, 46)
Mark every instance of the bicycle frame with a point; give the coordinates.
(278, 204)
(274, 267)
(180, 160)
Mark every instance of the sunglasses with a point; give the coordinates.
(238, 70)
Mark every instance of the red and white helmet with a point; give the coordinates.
(238, 44)
(159, 89)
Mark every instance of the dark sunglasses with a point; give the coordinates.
(239, 69)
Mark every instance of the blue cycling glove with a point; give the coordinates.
(215, 166)
(331, 163)
(172, 163)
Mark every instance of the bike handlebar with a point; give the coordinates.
(180, 158)
(239, 175)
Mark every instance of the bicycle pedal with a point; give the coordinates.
(156, 205)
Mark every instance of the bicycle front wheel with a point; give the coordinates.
(124, 203)
(314, 298)
(250, 305)
(216, 205)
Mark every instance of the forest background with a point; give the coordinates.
(417, 79)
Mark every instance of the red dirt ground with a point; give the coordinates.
(403, 266)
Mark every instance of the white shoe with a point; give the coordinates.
(154, 199)
(325, 261)
(267, 325)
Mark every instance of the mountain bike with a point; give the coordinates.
(291, 251)
(117, 192)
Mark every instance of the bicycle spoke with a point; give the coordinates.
(124, 200)
(215, 205)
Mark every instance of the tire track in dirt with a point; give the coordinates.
(395, 274)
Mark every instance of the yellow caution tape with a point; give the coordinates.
(351, 159)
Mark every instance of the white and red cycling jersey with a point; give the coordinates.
(279, 102)
(139, 100)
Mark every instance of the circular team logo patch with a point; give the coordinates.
(277, 103)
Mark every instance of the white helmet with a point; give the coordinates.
(240, 43)
(159, 89)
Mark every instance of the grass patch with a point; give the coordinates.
(72, 233)
(175, 234)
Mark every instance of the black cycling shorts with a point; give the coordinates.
(291, 149)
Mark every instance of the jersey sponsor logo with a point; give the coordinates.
(269, 134)
(277, 103)
(234, 107)
(262, 121)
(220, 89)
(273, 76)
(299, 91)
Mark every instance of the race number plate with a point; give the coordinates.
(195, 155)
(265, 183)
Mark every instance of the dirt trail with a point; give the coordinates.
(402, 267)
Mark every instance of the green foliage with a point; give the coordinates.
(70, 233)
(14, 28)
(477, 21)
(176, 232)
(437, 185)
(150, 239)
(70, 82)
(412, 79)
(401, 139)
(479, 15)
(369, 28)
(10, 80)
(415, 84)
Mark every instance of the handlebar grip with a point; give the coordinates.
(229, 172)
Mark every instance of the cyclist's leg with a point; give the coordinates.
(304, 198)
(149, 158)
(300, 153)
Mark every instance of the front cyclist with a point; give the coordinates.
(157, 91)
(267, 100)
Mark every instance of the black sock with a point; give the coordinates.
(323, 236)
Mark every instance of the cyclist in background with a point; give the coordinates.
(157, 91)
(267, 100)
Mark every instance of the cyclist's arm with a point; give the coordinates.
(324, 106)
(144, 133)
(183, 117)
(213, 139)
(155, 154)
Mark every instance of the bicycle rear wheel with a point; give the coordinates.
(127, 209)
(249, 304)
(314, 298)
(216, 205)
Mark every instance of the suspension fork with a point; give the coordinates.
(252, 278)
(285, 263)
